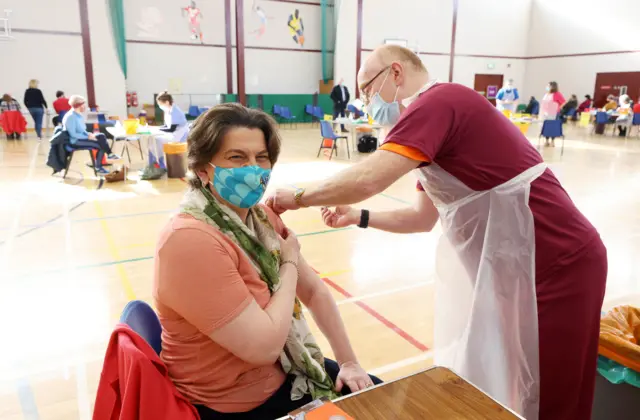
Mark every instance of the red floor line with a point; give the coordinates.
(402, 333)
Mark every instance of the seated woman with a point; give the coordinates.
(7, 104)
(228, 276)
(611, 104)
(175, 130)
(586, 104)
(572, 103)
(74, 123)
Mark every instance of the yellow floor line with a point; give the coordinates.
(334, 273)
(113, 250)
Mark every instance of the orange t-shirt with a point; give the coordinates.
(203, 281)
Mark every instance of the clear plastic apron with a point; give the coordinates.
(486, 318)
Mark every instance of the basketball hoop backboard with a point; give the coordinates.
(5, 26)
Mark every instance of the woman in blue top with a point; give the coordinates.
(175, 130)
(74, 123)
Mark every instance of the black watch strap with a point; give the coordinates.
(364, 219)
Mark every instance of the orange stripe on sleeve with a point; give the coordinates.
(406, 151)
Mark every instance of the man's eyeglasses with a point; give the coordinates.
(366, 95)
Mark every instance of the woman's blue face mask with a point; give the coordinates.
(243, 187)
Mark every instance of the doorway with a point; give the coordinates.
(488, 85)
(618, 83)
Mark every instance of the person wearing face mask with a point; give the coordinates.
(507, 98)
(74, 123)
(517, 261)
(230, 280)
(175, 130)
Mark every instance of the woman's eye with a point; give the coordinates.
(236, 157)
(263, 157)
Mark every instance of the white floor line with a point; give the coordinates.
(401, 363)
(384, 292)
(15, 225)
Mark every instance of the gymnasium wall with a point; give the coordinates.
(162, 54)
(427, 27)
(47, 46)
(574, 39)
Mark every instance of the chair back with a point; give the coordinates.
(308, 109)
(194, 111)
(131, 126)
(101, 118)
(286, 112)
(636, 119)
(143, 320)
(326, 130)
(318, 112)
(572, 113)
(602, 117)
(552, 128)
(61, 115)
(277, 110)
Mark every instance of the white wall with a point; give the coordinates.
(32, 56)
(580, 27)
(57, 60)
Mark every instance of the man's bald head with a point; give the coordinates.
(386, 55)
(394, 72)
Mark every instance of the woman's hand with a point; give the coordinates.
(289, 247)
(342, 216)
(353, 376)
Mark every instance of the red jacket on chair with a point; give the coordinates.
(135, 383)
(13, 122)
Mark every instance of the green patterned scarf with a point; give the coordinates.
(301, 356)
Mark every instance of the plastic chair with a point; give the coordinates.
(571, 114)
(552, 129)
(330, 139)
(101, 118)
(308, 110)
(318, 112)
(521, 108)
(70, 149)
(143, 320)
(286, 114)
(194, 111)
(635, 122)
(602, 118)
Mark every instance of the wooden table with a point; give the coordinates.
(436, 393)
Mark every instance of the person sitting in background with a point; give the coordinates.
(636, 107)
(175, 130)
(61, 105)
(572, 103)
(611, 104)
(9, 103)
(228, 276)
(624, 115)
(74, 123)
(586, 104)
(533, 107)
(36, 104)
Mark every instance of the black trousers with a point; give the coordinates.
(339, 111)
(100, 144)
(279, 404)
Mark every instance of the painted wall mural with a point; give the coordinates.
(150, 22)
(262, 17)
(296, 27)
(193, 17)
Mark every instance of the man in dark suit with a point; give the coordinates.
(340, 98)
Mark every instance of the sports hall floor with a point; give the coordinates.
(75, 251)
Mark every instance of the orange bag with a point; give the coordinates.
(619, 336)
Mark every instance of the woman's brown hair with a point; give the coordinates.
(165, 97)
(553, 87)
(210, 128)
(7, 98)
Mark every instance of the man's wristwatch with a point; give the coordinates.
(364, 219)
(297, 196)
